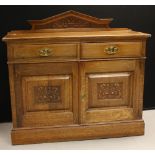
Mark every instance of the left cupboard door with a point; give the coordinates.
(46, 94)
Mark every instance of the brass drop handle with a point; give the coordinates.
(111, 50)
(45, 52)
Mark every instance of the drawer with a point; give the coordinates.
(62, 51)
(112, 49)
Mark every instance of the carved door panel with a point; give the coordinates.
(110, 90)
(46, 94)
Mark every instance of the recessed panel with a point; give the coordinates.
(47, 93)
(109, 89)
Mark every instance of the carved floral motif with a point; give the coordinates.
(110, 90)
(47, 94)
(69, 22)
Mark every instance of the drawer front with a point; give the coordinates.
(112, 49)
(46, 50)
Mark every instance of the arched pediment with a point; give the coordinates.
(70, 19)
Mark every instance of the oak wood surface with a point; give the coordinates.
(71, 79)
(70, 19)
(56, 51)
(125, 49)
(93, 131)
(89, 91)
(44, 77)
(75, 36)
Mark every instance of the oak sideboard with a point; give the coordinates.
(72, 77)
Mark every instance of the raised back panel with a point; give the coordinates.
(70, 19)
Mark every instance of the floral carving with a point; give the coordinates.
(110, 90)
(47, 94)
(69, 22)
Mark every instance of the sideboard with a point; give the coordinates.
(72, 77)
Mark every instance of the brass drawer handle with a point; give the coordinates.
(111, 50)
(45, 52)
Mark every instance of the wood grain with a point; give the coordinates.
(73, 78)
(57, 51)
(50, 134)
(100, 112)
(70, 19)
(125, 49)
(43, 75)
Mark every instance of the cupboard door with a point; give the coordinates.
(46, 94)
(111, 90)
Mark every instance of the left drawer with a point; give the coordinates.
(56, 51)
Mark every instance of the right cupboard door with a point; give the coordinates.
(111, 90)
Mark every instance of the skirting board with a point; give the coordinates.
(77, 132)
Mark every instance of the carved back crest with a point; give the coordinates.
(70, 19)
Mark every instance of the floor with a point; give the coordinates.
(138, 142)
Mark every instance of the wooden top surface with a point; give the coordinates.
(74, 34)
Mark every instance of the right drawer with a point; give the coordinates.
(112, 49)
